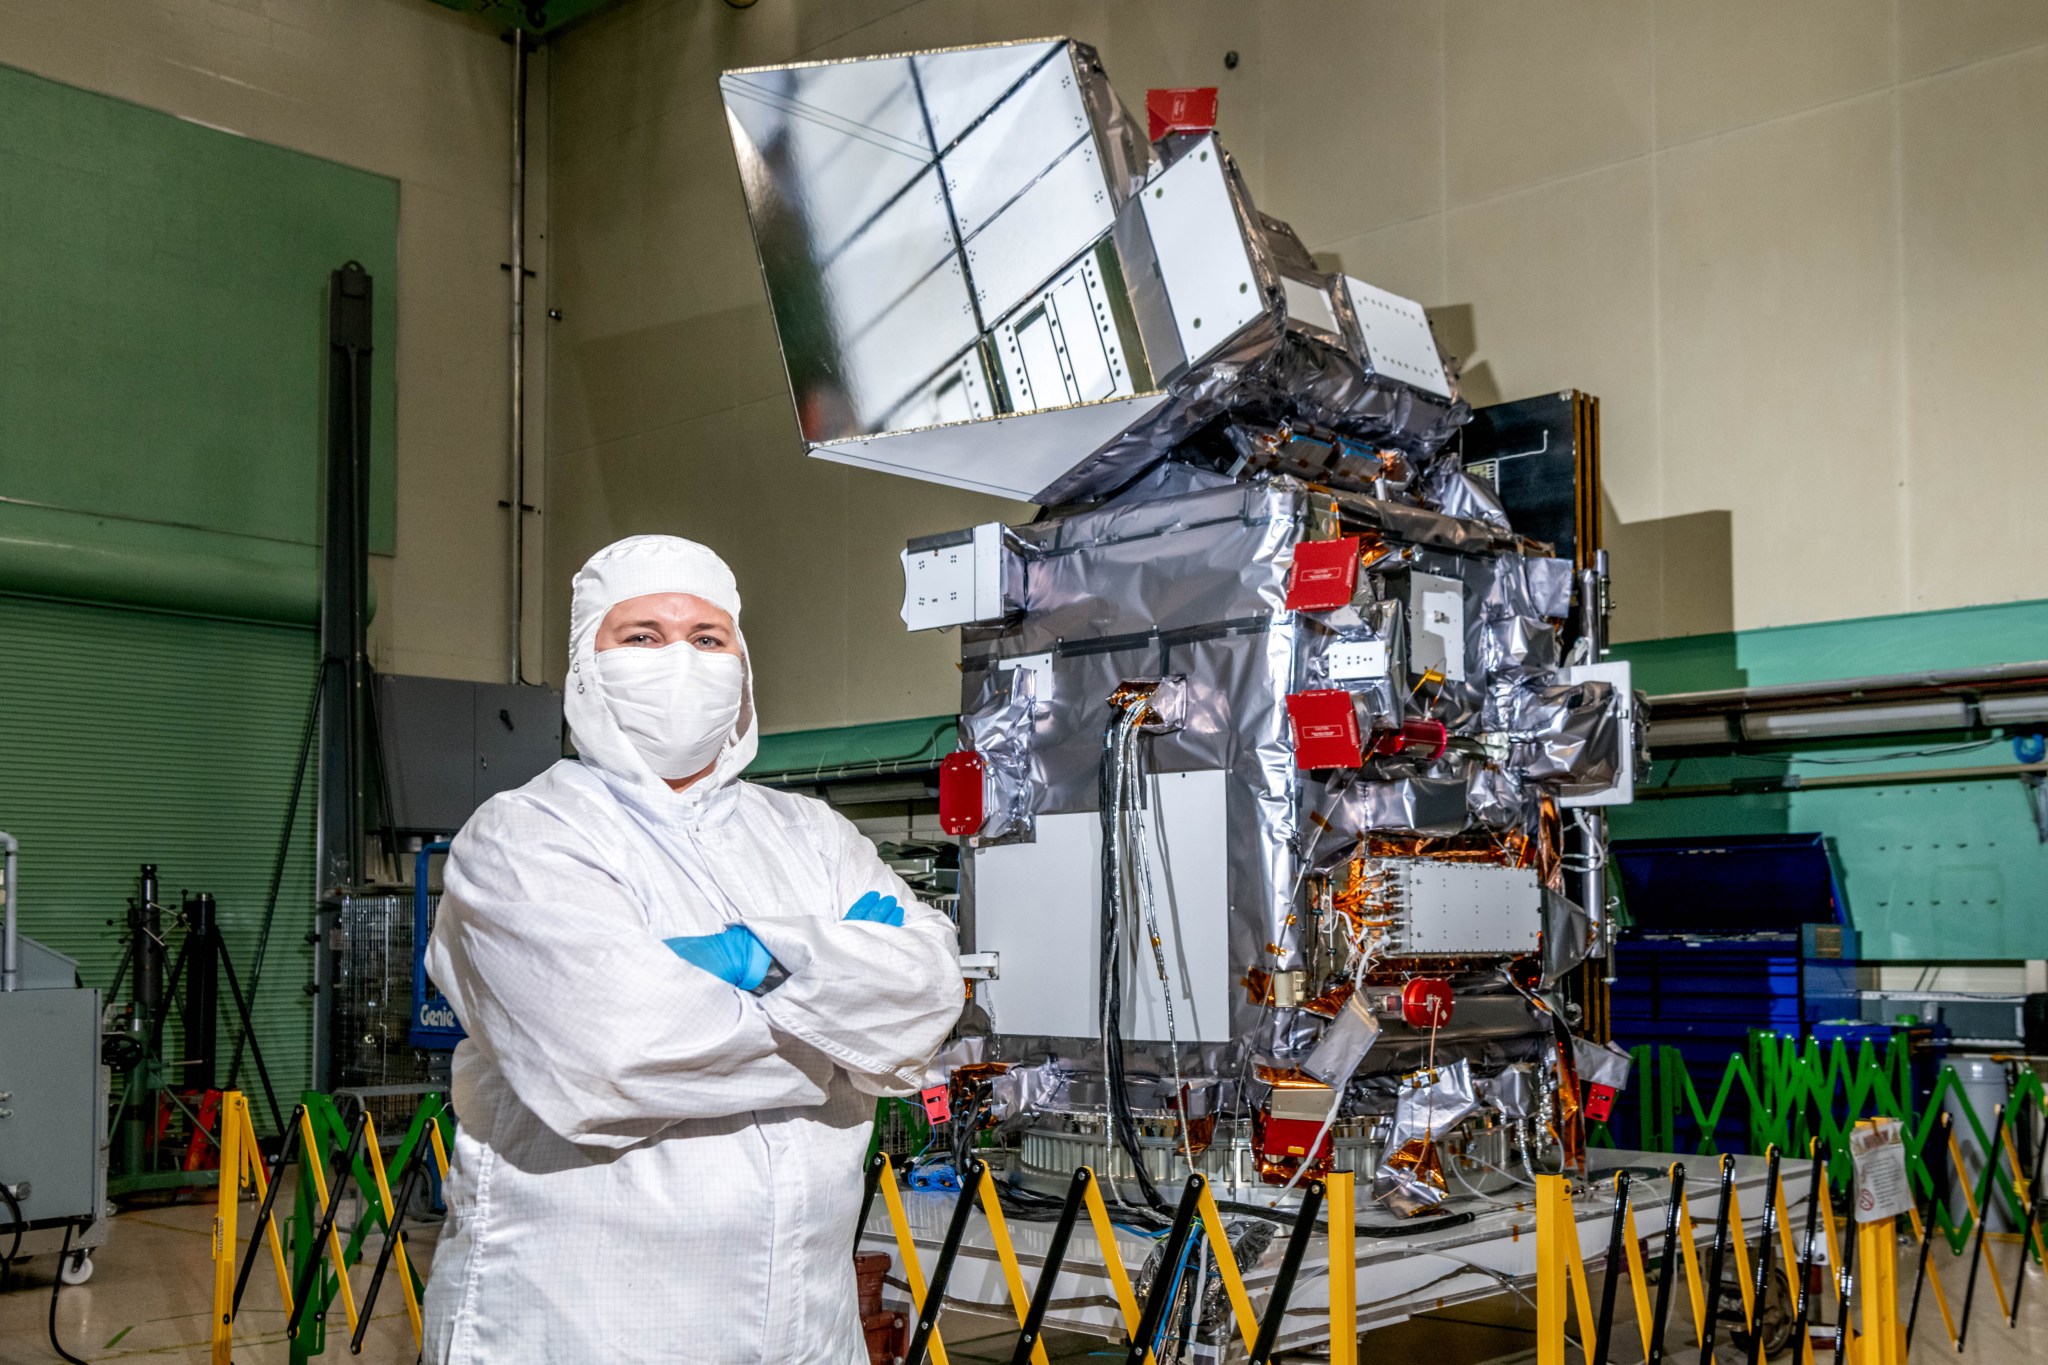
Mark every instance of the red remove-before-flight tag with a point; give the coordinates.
(1325, 574)
(1325, 727)
(1184, 110)
(938, 1107)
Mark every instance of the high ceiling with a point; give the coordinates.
(540, 18)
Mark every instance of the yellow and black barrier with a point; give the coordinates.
(241, 1163)
(1869, 1326)
(1142, 1320)
(1563, 1288)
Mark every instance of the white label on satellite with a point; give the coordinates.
(1444, 617)
(1354, 660)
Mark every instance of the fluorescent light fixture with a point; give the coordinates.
(1946, 713)
(2028, 710)
(1687, 732)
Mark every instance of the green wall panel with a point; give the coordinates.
(49, 553)
(1967, 637)
(162, 346)
(129, 737)
(1937, 871)
(885, 747)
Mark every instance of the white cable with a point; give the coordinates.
(1121, 754)
(1478, 1193)
(1131, 811)
(1108, 1117)
(1500, 1171)
(1575, 862)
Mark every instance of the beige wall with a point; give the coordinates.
(416, 92)
(1799, 250)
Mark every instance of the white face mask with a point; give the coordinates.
(678, 704)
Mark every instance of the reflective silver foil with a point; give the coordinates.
(1344, 1043)
(997, 725)
(1511, 1093)
(1455, 493)
(1132, 590)
(1382, 701)
(1273, 373)
(1185, 574)
(1430, 1103)
(1495, 796)
(1431, 803)
(961, 263)
(1027, 1089)
(1566, 735)
(1567, 935)
(1602, 1064)
(930, 224)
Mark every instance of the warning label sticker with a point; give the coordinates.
(1882, 1191)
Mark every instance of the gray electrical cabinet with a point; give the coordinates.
(449, 745)
(53, 1106)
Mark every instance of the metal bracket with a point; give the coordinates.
(2037, 800)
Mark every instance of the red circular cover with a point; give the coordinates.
(1426, 1002)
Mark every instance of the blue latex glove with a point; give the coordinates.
(876, 908)
(733, 955)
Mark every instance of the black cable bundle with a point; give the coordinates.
(967, 1123)
(57, 1287)
(20, 1225)
(1117, 1096)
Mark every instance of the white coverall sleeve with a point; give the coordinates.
(878, 999)
(598, 1027)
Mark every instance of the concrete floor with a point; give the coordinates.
(150, 1298)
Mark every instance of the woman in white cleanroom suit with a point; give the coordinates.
(682, 993)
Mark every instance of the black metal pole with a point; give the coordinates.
(1983, 1222)
(870, 1183)
(147, 927)
(1938, 1185)
(284, 844)
(1805, 1297)
(227, 968)
(1612, 1274)
(1290, 1270)
(2027, 1232)
(1714, 1262)
(202, 992)
(1769, 1235)
(145, 936)
(942, 1271)
(1162, 1283)
(1055, 1257)
(408, 1186)
(310, 1271)
(1845, 1279)
(286, 1152)
(147, 1075)
(344, 624)
(1667, 1265)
